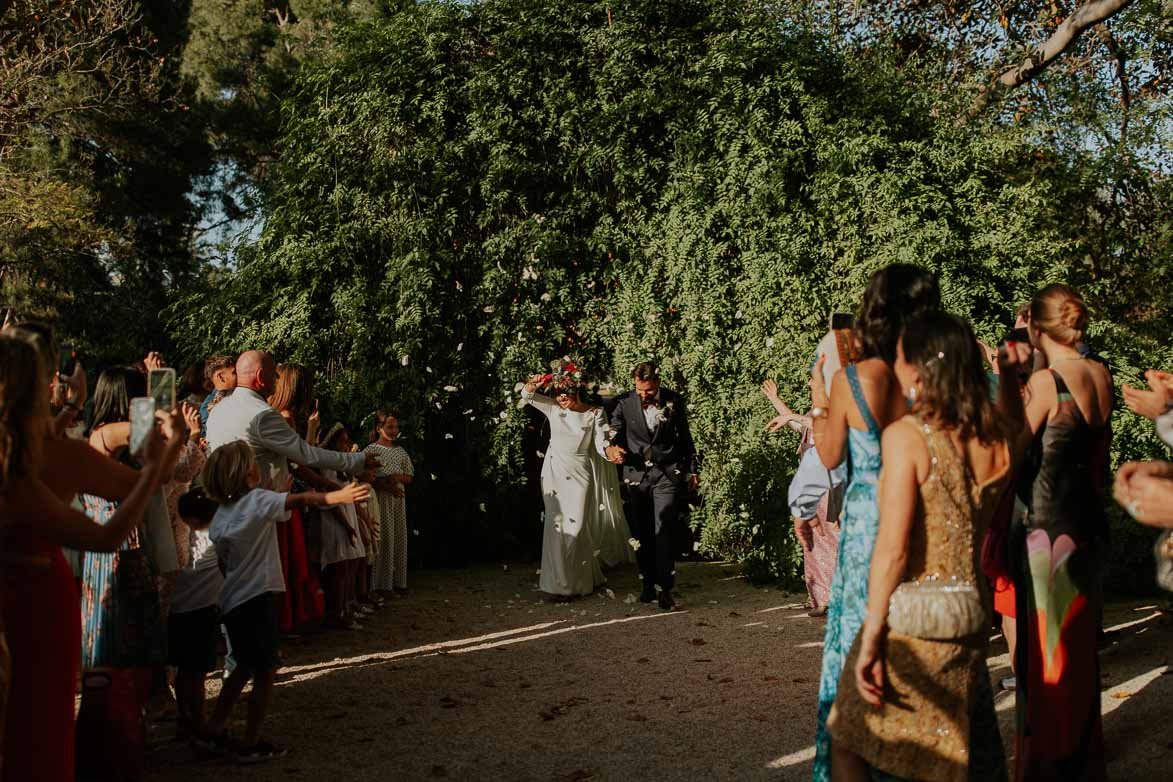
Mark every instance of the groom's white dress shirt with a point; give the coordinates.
(652, 413)
(245, 415)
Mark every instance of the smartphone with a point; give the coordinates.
(142, 421)
(842, 321)
(161, 387)
(66, 361)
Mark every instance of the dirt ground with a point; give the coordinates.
(473, 677)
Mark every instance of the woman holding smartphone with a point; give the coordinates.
(40, 598)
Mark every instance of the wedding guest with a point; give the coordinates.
(190, 464)
(123, 624)
(864, 398)
(193, 621)
(220, 372)
(1058, 553)
(67, 393)
(1011, 510)
(302, 602)
(194, 385)
(342, 547)
(650, 437)
(244, 535)
(391, 480)
(293, 398)
(40, 599)
(246, 415)
(914, 699)
(814, 501)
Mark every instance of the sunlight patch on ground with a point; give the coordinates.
(295, 674)
(794, 758)
(1114, 696)
(1133, 623)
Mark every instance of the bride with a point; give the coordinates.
(584, 524)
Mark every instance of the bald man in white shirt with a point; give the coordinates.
(246, 415)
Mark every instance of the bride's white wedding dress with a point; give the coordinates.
(584, 524)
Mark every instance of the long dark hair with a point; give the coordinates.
(955, 390)
(116, 387)
(894, 295)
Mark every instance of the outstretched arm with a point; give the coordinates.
(279, 437)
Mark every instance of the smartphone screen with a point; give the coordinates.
(142, 420)
(66, 360)
(161, 387)
(841, 321)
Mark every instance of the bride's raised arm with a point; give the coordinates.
(530, 395)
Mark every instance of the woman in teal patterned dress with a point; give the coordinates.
(864, 398)
(122, 625)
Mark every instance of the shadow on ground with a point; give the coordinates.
(474, 677)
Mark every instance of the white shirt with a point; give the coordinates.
(198, 585)
(653, 415)
(245, 536)
(245, 415)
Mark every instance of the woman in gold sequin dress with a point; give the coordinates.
(910, 707)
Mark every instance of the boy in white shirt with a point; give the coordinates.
(193, 622)
(245, 541)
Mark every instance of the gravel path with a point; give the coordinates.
(473, 677)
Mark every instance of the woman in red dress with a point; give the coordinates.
(303, 601)
(38, 475)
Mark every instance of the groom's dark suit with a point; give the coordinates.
(656, 470)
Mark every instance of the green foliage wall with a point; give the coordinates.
(465, 192)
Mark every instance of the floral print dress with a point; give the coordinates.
(122, 624)
(849, 587)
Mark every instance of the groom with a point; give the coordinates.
(650, 438)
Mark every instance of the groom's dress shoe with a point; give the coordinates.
(648, 595)
(666, 601)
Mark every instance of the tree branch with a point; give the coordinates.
(1121, 61)
(1068, 32)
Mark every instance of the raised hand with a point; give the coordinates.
(1153, 401)
(191, 417)
(770, 389)
(154, 361)
(74, 386)
(173, 425)
(778, 423)
(349, 494)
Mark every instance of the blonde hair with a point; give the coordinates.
(1059, 312)
(23, 395)
(293, 394)
(225, 476)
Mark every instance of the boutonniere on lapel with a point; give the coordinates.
(668, 410)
